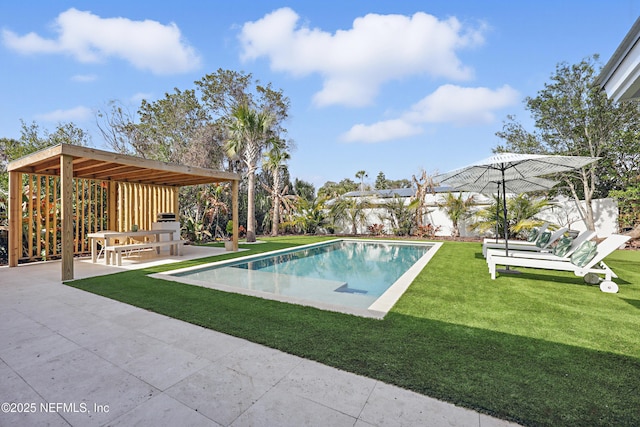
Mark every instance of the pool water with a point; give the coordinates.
(351, 273)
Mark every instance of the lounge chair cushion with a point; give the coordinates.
(543, 239)
(584, 254)
(562, 247)
(533, 235)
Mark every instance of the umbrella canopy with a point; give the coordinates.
(510, 166)
(502, 168)
(516, 186)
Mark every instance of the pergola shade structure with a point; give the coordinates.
(60, 194)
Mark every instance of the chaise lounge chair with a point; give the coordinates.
(580, 267)
(541, 243)
(557, 253)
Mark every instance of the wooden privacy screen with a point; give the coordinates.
(140, 204)
(97, 205)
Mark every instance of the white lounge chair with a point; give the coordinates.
(547, 253)
(595, 265)
(517, 245)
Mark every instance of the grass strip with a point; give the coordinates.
(539, 348)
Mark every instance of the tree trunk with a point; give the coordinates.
(251, 209)
(276, 205)
(587, 210)
(591, 224)
(455, 230)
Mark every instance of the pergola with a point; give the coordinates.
(73, 190)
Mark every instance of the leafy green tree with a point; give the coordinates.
(223, 91)
(33, 139)
(381, 182)
(68, 133)
(171, 129)
(399, 183)
(176, 128)
(304, 189)
(249, 133)
(457, 209)
(573, 116)
(332, 189)
(628, 205)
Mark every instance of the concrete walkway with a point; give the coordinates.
(68, 357)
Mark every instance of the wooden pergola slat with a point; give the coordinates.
(69, 162)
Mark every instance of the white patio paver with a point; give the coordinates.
(79, 359)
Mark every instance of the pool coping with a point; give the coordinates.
(377, 310)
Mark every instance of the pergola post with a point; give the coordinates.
(234, 212)
(66, 215)
(15, 218)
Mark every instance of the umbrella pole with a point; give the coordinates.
(498, 215)
(506, 225)
(504, 212)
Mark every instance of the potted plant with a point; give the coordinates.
(228, 242)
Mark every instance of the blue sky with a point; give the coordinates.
(391, 86)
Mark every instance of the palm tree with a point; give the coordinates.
(350, 209)
(275, 162)
(424, 185)
(522, 213)
(309, 215)
(361, 175)
(457, 209)
(248, 135)
(400, 215)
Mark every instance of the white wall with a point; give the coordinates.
(563, 212)
(567, 214)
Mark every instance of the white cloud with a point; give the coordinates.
(72, 115)
(147, 45)
(381, 131)
(355, 62)
(452, 104)
(462, 105)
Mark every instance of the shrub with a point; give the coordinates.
(376, 229)
(429, 231)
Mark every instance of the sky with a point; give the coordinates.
(381, 86)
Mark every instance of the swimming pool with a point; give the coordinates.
(361, 277)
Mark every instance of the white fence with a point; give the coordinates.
(563, 212)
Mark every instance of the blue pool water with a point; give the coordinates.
(350, 273)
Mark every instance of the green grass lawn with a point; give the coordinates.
(538, 348)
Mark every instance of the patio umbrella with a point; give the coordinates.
(502, 168)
